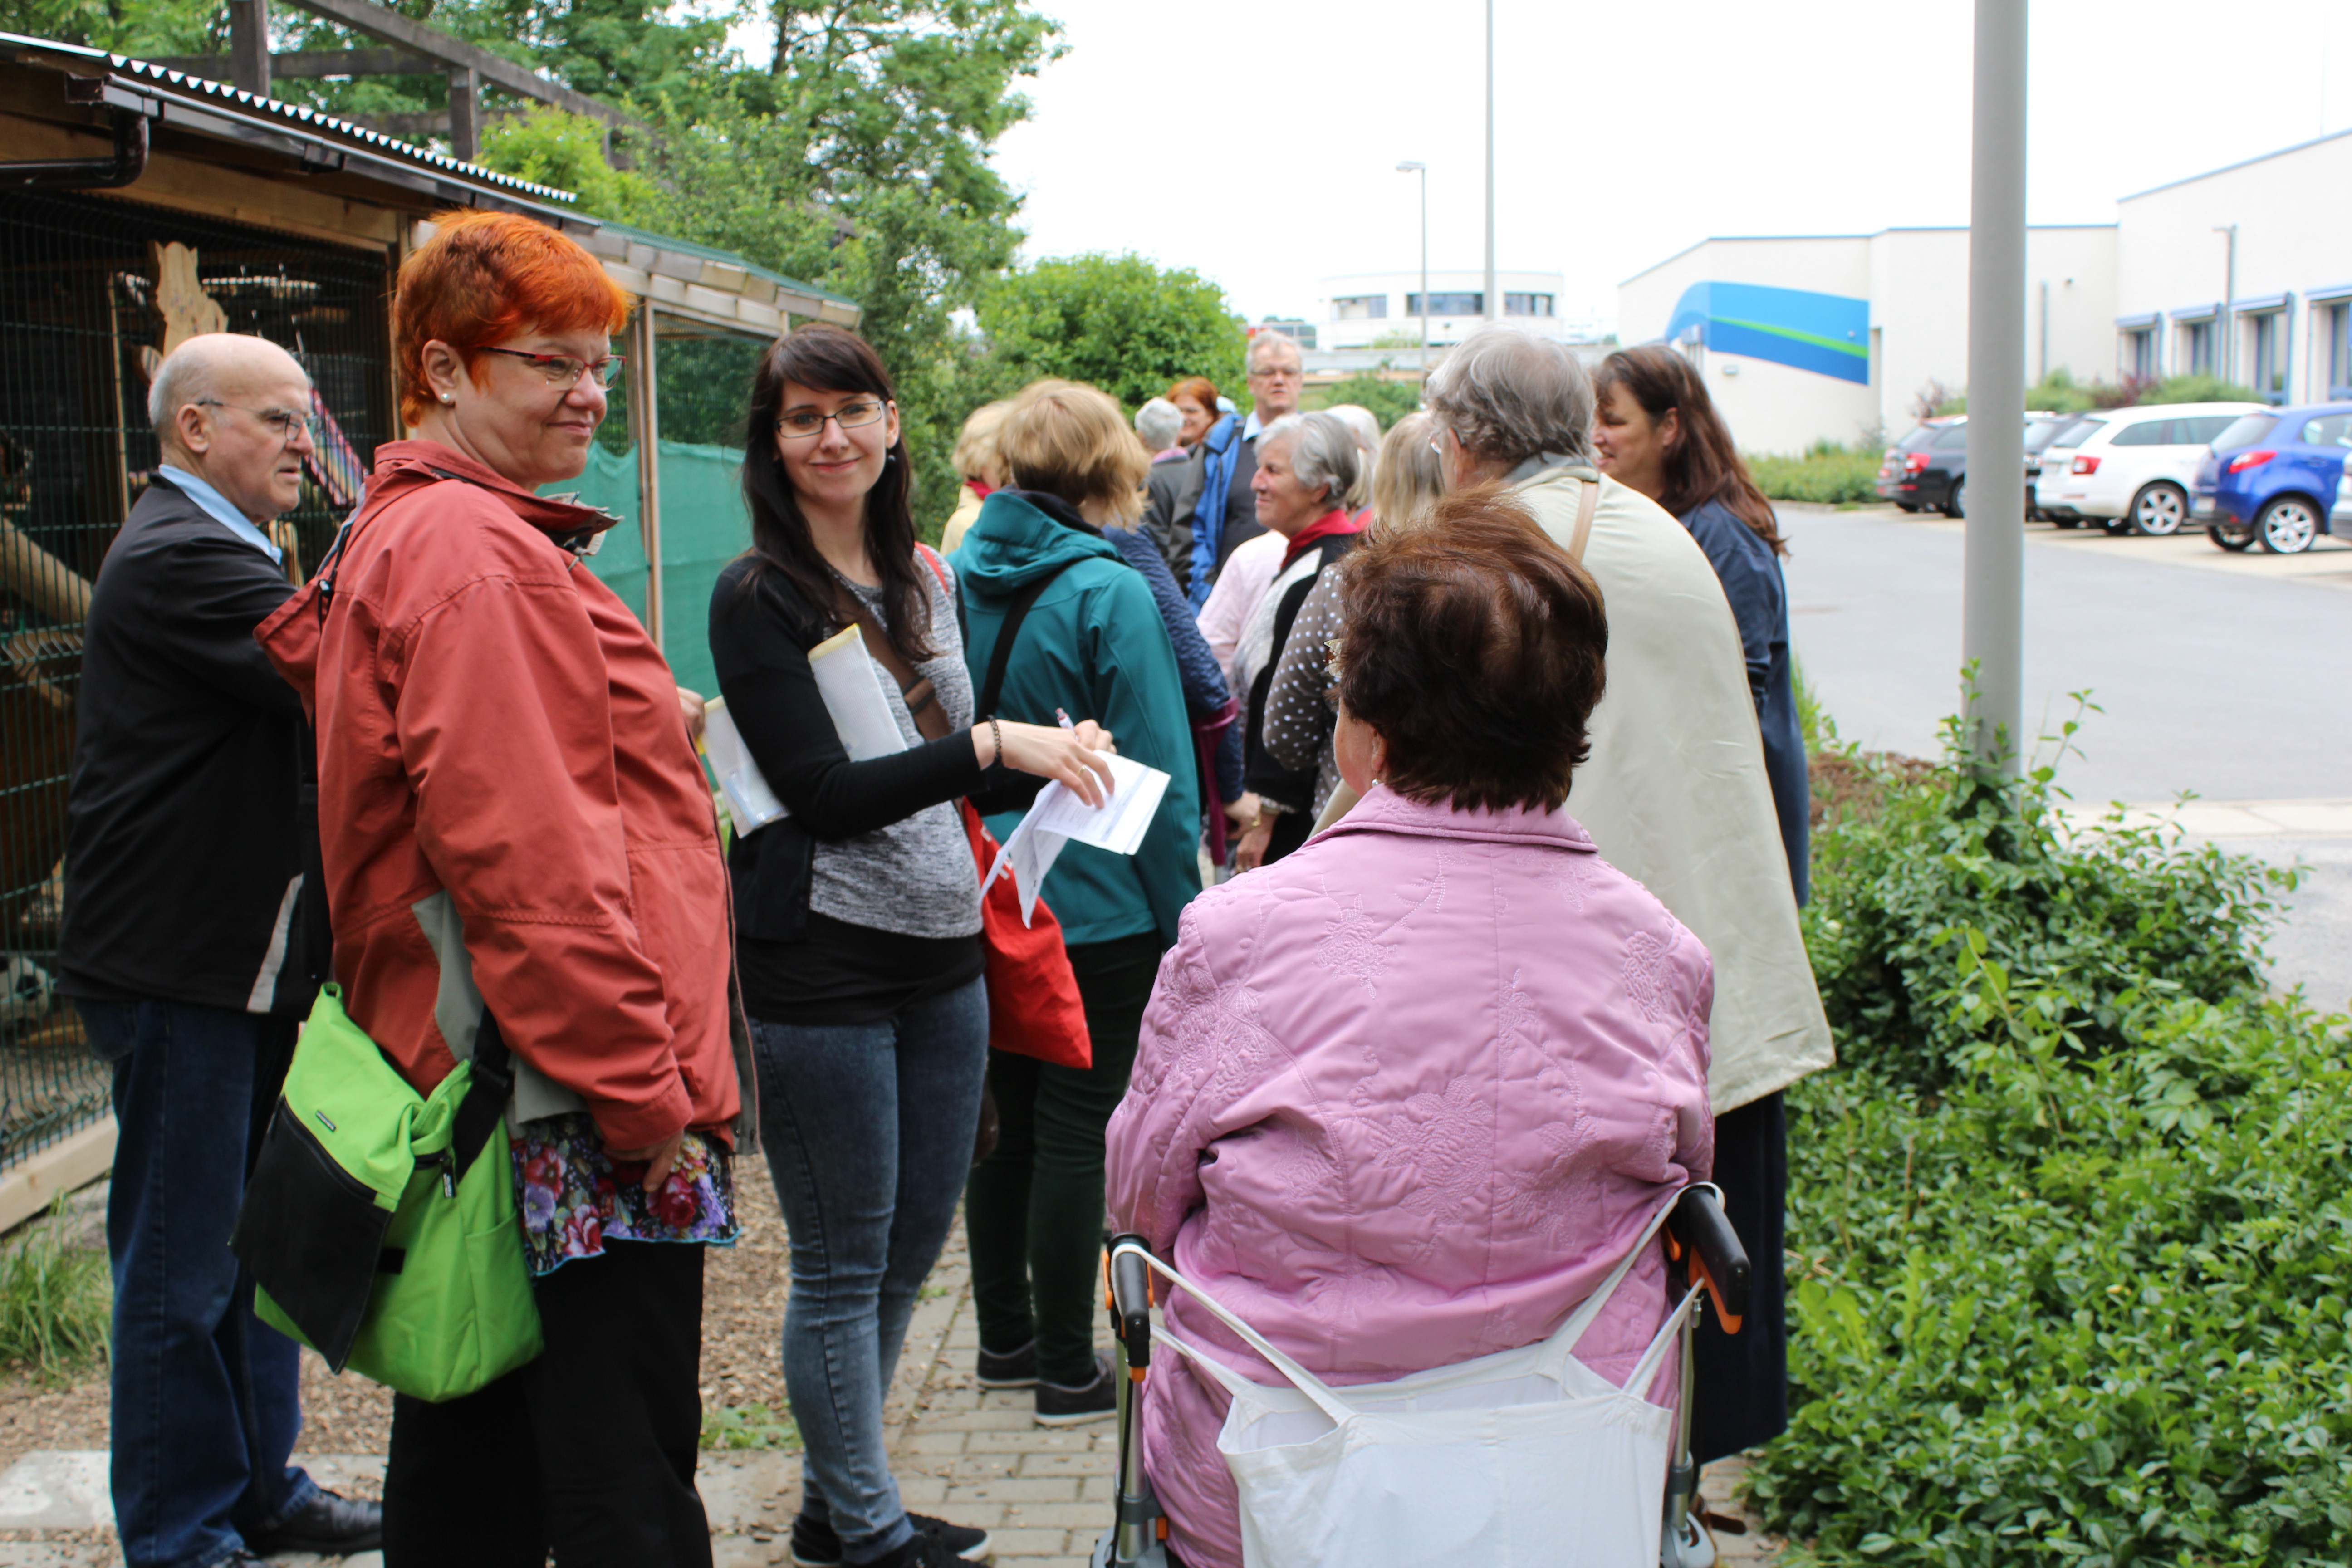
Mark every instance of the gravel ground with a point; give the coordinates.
(742, 1315)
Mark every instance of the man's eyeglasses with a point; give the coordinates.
(1288, 372)
(284, 423)
(802, 423)
(565, 370)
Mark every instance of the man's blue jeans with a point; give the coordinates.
(868, 1132)
(207, 1398)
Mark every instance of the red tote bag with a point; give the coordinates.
(1034, 1009)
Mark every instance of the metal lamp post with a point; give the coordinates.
(1410, 167)
(1494, 310)
(1992, 627)
(2225, 320)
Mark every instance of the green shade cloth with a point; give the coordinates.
(703, 527)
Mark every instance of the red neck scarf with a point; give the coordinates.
(979, 487)
(1336, 521)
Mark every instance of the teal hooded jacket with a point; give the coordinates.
(1094, 646)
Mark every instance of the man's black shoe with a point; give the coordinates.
(1061, 1405)
(814, 1545)
(1012, 1369)
(923, 1551)
(330, 1525)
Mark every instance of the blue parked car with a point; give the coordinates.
(2271, 478)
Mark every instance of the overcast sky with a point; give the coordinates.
(1255, 141)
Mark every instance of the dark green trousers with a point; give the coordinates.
(1033, 1209)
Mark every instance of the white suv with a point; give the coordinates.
(2130, 468)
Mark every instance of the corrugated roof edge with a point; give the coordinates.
(207, 88)
(711, 253)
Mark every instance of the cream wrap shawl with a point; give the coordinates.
(1674, 792)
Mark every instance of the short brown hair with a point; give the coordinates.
(1071, 440)
(1477, 649)
(484, 276)
(1201, 390)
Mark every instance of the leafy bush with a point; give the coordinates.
(1829, 474)
(2068, 1235)
(1389, 401)
(57, 1300)
(2199, 389)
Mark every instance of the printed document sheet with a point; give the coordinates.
(1059, 815)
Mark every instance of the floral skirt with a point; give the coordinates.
(575, 1196)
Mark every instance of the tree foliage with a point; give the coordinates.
(1388, 401)
(1118, 322)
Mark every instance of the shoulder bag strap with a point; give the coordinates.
(998, 657)
(922, 702)
(486, 1097)
(1587, 500)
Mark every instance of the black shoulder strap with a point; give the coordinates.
(486, 1097)
(1001, 655)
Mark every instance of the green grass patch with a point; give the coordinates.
(1827, 474)
(748, 1426)
(2070, 1256)
(57, 1300)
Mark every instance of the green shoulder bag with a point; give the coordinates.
(380, 1224)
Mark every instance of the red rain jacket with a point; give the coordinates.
(496, 727)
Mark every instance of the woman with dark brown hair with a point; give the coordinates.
(1657, 431)
(857, 913)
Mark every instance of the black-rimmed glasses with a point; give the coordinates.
(802, 423)
(284, 423)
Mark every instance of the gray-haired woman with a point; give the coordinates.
(1675, 793)
(1306, 466)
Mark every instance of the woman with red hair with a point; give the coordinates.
(517, 834)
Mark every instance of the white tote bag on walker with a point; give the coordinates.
(1526, 1458)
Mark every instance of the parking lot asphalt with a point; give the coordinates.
(2228, 675)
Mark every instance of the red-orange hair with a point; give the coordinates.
(484, 276)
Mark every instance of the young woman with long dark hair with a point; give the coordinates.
(1655, 430)
(857, 914)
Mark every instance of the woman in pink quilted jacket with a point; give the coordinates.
(1405, 1097)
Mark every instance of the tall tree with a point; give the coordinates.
(1117, 322)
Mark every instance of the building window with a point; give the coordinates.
(1526, 304)
(1299, 332)
(2139, 354)
(1447, 305)
(2335, 345)
(1360, 307)
(2197, 347)
(2265, 353)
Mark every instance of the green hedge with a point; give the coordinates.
(2070, 1251)
(1830, 475)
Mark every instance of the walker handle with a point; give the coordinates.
(1130, 1299)
(1717, 1259)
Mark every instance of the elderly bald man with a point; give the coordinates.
(194, 940)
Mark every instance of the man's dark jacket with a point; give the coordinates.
(192, 847)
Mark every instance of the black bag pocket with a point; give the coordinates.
(310, 1234)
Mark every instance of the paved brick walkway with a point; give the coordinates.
(977, 1458)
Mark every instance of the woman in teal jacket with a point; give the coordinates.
(1091, 644)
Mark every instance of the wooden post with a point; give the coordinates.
(646, 415)
(249, 45)
(465, 113)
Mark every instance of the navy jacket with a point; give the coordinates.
(1750, 575)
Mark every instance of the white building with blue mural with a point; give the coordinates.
(2244, 270)
(1806, 338)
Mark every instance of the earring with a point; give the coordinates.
(446, 398)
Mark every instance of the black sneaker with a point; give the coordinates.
(924, 1551)
(1010, 1369)
(814, 1545)
(1060, 1405)
(330, 1525)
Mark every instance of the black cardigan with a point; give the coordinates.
(761, 631)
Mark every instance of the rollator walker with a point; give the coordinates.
(1705, 1261)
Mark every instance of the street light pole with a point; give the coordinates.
(2225, 320)
(1411, 167)
(1494, 305)
(1992, 628)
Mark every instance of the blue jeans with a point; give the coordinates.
(868, 1131)
(207, 1398)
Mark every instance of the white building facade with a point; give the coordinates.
(1382, 309)
(2287, 329)
(1836, 337)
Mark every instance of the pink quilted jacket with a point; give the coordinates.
(1404, 1098)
